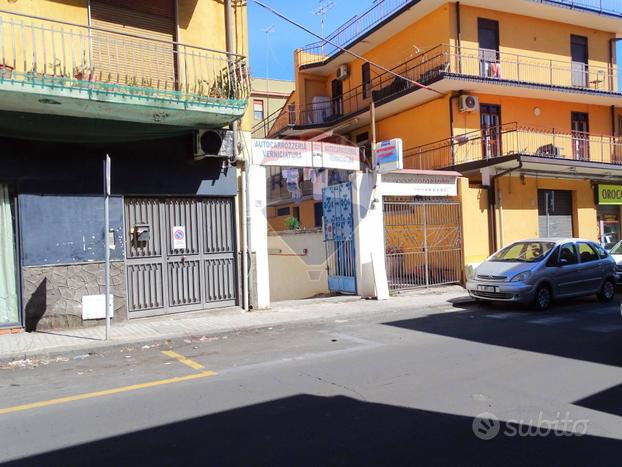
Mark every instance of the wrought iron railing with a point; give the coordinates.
(515, 139)
(440, 61)
(58, 54)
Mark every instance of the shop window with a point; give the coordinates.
(258, 112)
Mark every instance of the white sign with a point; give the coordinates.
(397, 184)
(94, 306)
(178, 237)
(294, 153)
(389, 156)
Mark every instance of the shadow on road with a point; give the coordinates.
(308, 430)
(608, 401)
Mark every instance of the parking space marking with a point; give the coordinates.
(181, 359)
(105, 392)
(605, 328)
(552, 320)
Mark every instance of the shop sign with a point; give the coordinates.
(398, 184)
(389, 156)
(610, 194)
(294, 153)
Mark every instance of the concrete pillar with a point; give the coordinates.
(371, 274)
(258, 237)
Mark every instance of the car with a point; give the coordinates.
(538, 271)
(616, 254)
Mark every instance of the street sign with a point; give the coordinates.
(389, 156)
(179, 237)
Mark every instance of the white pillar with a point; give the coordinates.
(371, 274)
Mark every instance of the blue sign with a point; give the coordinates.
(389, 156)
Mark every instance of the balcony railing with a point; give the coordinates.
(358, 25)
(515, 139)
(67, 56)
(434, 64)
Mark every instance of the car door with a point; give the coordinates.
(567, 278)
(591, 269)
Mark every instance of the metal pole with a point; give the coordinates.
(106, 243)
(372, 109)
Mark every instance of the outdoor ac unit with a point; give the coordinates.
(469, 103)
(213, 143)
(342, 72)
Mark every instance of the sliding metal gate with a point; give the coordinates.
(423, 242)
(339, 237)
(180, 254)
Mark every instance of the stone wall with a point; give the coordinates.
(53, 294)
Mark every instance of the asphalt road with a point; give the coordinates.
(397, 388)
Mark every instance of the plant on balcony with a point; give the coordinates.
(292, 223)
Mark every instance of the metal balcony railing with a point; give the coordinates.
(436, 63)
(608, 7)
(515, 139)
(61, 55)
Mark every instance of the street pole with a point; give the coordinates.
(372, 110)
(106, 242)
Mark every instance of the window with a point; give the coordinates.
(524, 252)
(568, 254)
(366, 72)
(282, 211)
(587, 253)
(318, 212)
(602, 253)
(258, 109)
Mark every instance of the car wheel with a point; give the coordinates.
(543, 298)
(607, 292)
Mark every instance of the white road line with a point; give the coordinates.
(552, 320)
(605, 328)
(506, 315)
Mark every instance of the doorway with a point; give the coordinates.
(337, 91)
(579, 57)
(580, 136)
(488, 37)
(555, 213)
(490, 116)
(9, 290)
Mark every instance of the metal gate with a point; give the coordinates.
(339, 237)
(180, 254)
(423, 242)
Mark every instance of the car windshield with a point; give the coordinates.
(523, 252)
(617, 249)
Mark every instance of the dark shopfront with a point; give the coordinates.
(55, 206)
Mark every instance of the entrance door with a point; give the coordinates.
(490, 116)
(337, 91)
(339, 237)
(488, 36)
(580, 136)
(9, 299)
(555, 213)
(579, 54)
(180, 254)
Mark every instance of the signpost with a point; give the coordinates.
(107, 242)
(389, 156)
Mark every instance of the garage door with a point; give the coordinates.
(555, 213)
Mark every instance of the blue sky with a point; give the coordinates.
(286, 37)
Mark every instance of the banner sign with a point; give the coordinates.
(294, 153)
(398, 184)
(610, 194)
(389, 156)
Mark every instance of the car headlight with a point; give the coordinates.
(522, 277)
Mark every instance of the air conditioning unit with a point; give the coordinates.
(213, 143)
(342, 72)
(468, 103)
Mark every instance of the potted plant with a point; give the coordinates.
(292, 223)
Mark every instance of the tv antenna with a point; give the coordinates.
(322, 11)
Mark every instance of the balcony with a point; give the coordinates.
(515, 140)
(61, 68)
(381, 11)
(446, 69)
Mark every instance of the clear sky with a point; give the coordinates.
(279, 56)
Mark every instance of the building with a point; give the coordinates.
(134, 80)
(520, 97)
(268, 96)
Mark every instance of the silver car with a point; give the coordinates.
(541, 270)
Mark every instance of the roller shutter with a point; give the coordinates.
(555, 213)
(119, 58)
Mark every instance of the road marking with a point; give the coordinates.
(507, 315)
(106, 392)
(552, 320)
(186, 361)
(605, 328)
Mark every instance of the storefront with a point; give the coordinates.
(9, 301)
(608, 212)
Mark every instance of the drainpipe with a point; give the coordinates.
(451, 129)
(492, 195)
(244, 175)
(459, 31)
(613, 121)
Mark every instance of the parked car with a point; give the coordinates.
(616, 254)
(541, 270)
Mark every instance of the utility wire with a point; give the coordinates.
(354, 54)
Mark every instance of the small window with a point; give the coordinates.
(282, 211)
(366, 72)
(568, 254)
(258, 109)
(587, 253)
(318, 213)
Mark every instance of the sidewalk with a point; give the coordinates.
(205, 323)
